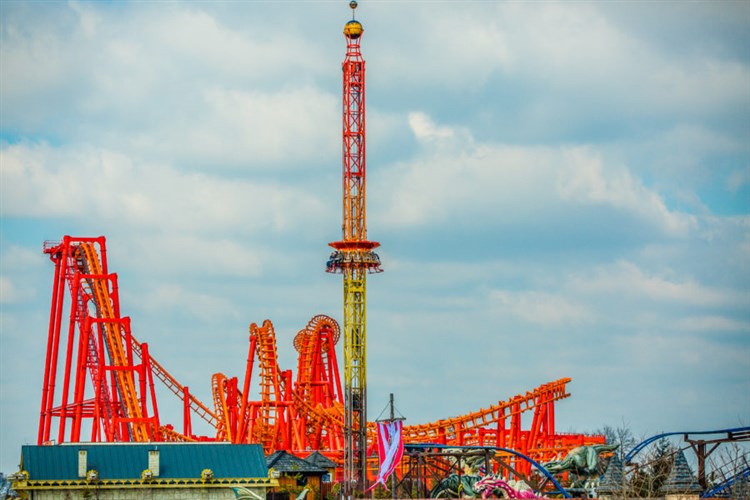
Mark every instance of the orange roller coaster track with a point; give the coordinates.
(99, 378)
(99, 341)
(293, 416)
(117, 401)
(312, 417)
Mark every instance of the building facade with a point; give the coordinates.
(124, 471)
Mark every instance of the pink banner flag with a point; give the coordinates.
(390, 450)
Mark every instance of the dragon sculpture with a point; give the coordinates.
(455, 486)
(583, 460)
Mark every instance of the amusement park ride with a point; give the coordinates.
(99, 383)
(355, 259)
(99, 380)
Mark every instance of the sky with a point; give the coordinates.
(560, 189)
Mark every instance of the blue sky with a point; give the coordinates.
(560, 189)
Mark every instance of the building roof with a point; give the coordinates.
(680, 478)
(319, 460)
(127, 461)
(612, 481)
(282, 461)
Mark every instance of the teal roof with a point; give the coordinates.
(127, 461)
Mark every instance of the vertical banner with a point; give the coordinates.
(390, 450)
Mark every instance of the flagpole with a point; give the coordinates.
(386, 434)
(393, 476)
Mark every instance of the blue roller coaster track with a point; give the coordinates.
(721, 489)
(741, 431)
(725, 487)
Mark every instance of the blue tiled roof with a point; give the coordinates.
(612, 481)
(680, 478)
(127, 461)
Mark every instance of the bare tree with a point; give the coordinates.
(621, 435)
(730, 471)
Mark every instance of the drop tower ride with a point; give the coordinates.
(353, 257)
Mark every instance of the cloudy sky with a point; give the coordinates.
(560, 190)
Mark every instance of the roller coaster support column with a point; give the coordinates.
(702, 453)
(354, 258)
(698, 445)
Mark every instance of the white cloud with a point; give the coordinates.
(294, 126)
(714, 324)
(541, 308)
(580, 49)
(179, 89)
(569, 40)
(43, 181)
(452, 179)
(587, 180)
(738, 179)
(8, 293)
(458, 178)
(19, 258)
(452, 50)
(88, 18)
(557, 70)
(648, 350)
(174, 299)
(184, 253)
(20, 269)
(707, 84)
(425, 129)
(627, 279)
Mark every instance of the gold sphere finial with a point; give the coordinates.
(353, 29)
(353, 4)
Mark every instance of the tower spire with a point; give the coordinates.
(353, 257)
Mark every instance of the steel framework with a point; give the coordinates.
(294, 415)
(354, 258)
(97, 340)
(98, 375)
(499, 426)
(117, 400)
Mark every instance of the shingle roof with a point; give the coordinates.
(612, 481)
(319, 460)
(680, 478)
(127, 461)
(282, 461)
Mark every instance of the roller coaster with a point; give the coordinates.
(99, 383)
(725, 476)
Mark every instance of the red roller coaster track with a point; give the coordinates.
(99, 379)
